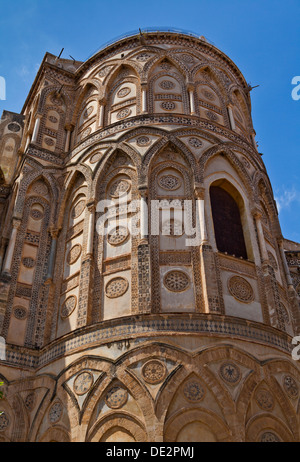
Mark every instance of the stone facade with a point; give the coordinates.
(139, 336)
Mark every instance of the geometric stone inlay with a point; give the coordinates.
(208, 94)
(167, 84)
(36, 214)
(55, 412)
(269, 437)
(4, 421)
(284, 313)
(123, 113)
(68, 306)
(187, 58)
(176, 281)
(83, 383)
(116, 397)
(273, 261)
(28, 262)
(30, 401)
(193, 391)
(143, 141)
(118, 235)
(241, 289)
(195, 142)
(211, 115)
(169, 182)
(88, 112)
(123, 92)
(116, 287)
(78, 209)
(74, 254)
(53, 119)
(86, 132)
(120, 187)
(230, 373)
(13, 127)
(49, 141)
(290, 386)
(154, 371)
(20, 312)
(143, 57)
(264, 399)
(168, 105)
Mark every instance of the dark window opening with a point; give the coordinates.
(227, 223)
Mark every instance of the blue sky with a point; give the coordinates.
(261, 37)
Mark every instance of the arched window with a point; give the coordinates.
(227, 222)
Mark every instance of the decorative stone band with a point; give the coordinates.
(149, 325)
(160, 119)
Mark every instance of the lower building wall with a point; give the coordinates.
(163, 385)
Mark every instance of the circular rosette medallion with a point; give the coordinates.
(83, 383)
(241, 289)
(118, 235)
(269, 437)
(74, 254)
(143, 141)
(116, 287)
(4, 421)
(176, 281)
(78, 209)
(193, 391)
(154, 371)
(230, 373)
(20, 312)
(119, 188)
(116, 397)
(290, 386)
(55, 412)
(169, 182)
(123, 92)
(68, 307)
(167, 85)
(264, 399)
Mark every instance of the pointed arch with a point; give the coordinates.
(123, 94)
(167, 90)
(224, 150)
(172, 143)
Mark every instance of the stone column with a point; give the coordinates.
(28, 140)
(144, 258)
(143, 215)
(254, 140)
(101, 103)
(144, 98)
(192, 99)
(69, 129)
(91, 224)
(54, 234)
(36, 128)
(199, 192)
(261, 237)
(210, 277)
(86, 282)
(231, 118)
(286, 268)
(11, 246)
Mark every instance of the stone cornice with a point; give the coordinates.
(154, 325)
(145, 120)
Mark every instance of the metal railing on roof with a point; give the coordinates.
(148, 30)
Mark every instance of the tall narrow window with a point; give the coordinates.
(227, 223)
